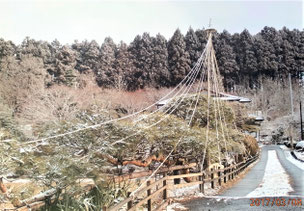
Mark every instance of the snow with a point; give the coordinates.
(275, 181)
(300, 155)
(289, 157)
(185, 191)
(194, 191)
(174, 206)
(300, 144)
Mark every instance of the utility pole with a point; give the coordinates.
(302, 134)
(291, 95)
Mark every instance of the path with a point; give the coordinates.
(236, 197)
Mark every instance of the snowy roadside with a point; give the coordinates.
(300, 155)
(190, 193)
(289, 157)
(275, 181)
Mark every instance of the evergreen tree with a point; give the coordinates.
(193, 47)
(88, 54)
(63, 70)
(141, 50)
(227, 64)
(179, 59)
(202, 38)
(123, 68)
(40, 49)
(7, 48)
(105, 71)
(246, 57)
(159, 72)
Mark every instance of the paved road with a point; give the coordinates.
(250, 182)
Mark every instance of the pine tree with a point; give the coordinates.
(179, 59)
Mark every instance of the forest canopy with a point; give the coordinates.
(150, 61)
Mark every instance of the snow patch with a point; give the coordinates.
(191, 190)
(300, 155)
(275, 181)
(174, 206)
(294, 161)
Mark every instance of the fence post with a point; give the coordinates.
(104, 208)
(232, 172)
(130, 203)
(149, 204)
(165, 193)
(201, 186)
(225, 177)
(219, 176)
(212, 177)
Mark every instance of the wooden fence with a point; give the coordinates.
(158, 190)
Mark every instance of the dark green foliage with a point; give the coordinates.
(141, 50)
(7, 48)
(123, 67)
(160, 75)
(179, 59)
(193, 47)
(88, 54)
(151, 61)
(227, 63)
(63, 70)
(105, 74)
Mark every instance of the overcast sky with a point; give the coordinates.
(68, 20)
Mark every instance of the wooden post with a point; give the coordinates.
(212, 177)
(149, 204)
(104, 208)
(201, 186)
(130, 203)
(225, 177)
(165, 193)
(219, 176)
(232, 173)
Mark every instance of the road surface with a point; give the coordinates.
(235, 197)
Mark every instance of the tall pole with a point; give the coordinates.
(302, 134)
(291, 95)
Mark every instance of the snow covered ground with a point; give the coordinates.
(300, 155)
(275, 181)
(174, 206)
(291, 158)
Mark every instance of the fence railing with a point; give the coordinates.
(158, 190)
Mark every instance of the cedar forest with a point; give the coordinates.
(155, 62)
